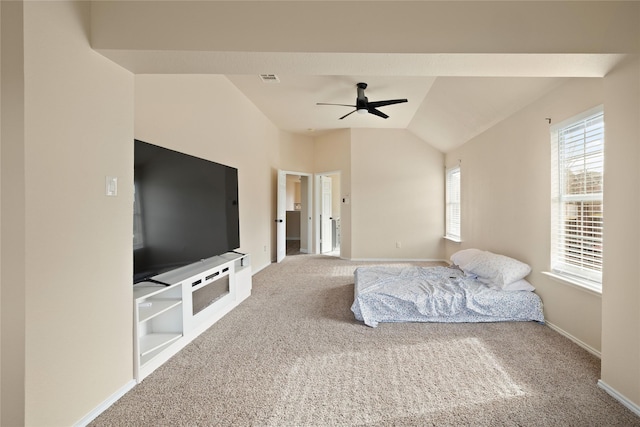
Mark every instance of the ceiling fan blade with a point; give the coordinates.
(348, 114)
(377, 104)
(377, 112)
(344, 105)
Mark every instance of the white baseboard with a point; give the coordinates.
(574, 339)
(620, 398)
(258, 269)
(104, 405)
(612, 392)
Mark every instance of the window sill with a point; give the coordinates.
(576, 283)
(452, 239)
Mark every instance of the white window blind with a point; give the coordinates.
(452, 222)
(577, 198)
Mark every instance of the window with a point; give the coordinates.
(452, 194)
(577, 172)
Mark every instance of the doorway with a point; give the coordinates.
(293, 217)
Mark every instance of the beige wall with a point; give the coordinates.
(293, 191)
(19, 21)
(506, 205)
(424, 26)
(506, 188)
(295, 153)
(78, 130)
(293, 225)
(397, 185)
(332, 153)
(621, 279)
(395, 174)
(206, 116)
(66, 341)
(12, 215)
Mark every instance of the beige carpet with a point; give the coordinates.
(293, 355)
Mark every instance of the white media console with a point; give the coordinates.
(167, 318)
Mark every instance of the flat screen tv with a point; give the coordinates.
(185, 210)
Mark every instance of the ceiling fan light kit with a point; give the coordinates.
(363, 106)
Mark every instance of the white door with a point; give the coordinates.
(326, 229)
(281, 217)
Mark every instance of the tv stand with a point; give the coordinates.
(175, 307)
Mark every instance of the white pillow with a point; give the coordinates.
(497, 269)
(518, 285)
(463, 257)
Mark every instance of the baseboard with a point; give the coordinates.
(258, 269)
(620, 398)
(104, 405)
(574, 339)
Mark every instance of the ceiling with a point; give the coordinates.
(463, 66)
(444, 111)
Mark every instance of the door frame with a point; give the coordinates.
(317, 211)
(281, 220)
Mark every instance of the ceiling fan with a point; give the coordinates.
(363, 105)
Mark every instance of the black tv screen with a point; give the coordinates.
(185, 210)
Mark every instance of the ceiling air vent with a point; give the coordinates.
(269, 78)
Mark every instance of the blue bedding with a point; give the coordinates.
(436, 294)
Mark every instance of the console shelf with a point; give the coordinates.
(152, 342)
(167, 318)
(157, 307)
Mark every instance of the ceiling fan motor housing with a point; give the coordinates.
(361, 100)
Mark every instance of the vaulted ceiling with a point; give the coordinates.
(463, 66)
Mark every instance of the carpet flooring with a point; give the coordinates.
(293, 355)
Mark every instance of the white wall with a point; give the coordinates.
(78, 129)
(397, 195)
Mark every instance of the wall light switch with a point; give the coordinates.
(111, 186)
